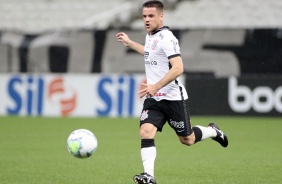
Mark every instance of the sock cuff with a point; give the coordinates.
(145, 143)
(198, 134)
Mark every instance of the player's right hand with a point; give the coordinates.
(123, 38)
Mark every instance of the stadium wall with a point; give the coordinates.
(70, 95)
(236, 96)
(116, 95)
(219, 52)
(228, 72)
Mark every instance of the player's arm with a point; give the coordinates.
(123, 38)
(175, 71)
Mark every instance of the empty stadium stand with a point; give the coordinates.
(36, 16)
(222, 14)
(217, 37)
(33, 16)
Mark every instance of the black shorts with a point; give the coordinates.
(176, 113)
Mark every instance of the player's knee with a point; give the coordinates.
(147, 131)
(145, 134)
(186, 141)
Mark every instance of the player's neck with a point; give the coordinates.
(157, 30)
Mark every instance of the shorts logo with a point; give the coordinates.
(176, 124)
(144, 115)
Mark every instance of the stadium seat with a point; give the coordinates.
(4, 59)
(10, 48)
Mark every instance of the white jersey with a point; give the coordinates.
(161, 46)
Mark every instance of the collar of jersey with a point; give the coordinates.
(160, 29)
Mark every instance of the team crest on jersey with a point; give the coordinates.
(154, 45)
(144, 115)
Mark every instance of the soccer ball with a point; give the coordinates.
(82, 143)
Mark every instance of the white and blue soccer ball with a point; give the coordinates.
(82, 143)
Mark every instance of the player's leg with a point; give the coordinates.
(151, 121)
(221, 137)
(201, 133)
(179, 120)
(148, 148)
(188, 135)
(148, 154)
(197, 133)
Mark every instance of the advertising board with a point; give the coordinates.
(71, 95)
(255, 96)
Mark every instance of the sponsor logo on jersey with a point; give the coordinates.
(151, 62)
(160, 94)
(175, 43)
(146, 55)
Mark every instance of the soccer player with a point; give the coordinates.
(166, 97)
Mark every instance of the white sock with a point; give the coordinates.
(207, 132)
(148, 156)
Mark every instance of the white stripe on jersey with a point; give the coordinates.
(159, 47)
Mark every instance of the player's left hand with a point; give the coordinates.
(149, 90)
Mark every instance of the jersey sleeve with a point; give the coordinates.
(170, 46)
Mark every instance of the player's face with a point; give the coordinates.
(153, 19)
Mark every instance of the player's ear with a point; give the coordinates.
(161, 16)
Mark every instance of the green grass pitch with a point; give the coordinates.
(33, 151)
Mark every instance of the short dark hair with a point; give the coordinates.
(154, 3)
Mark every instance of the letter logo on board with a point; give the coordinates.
(67, 104)
(261, 99)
